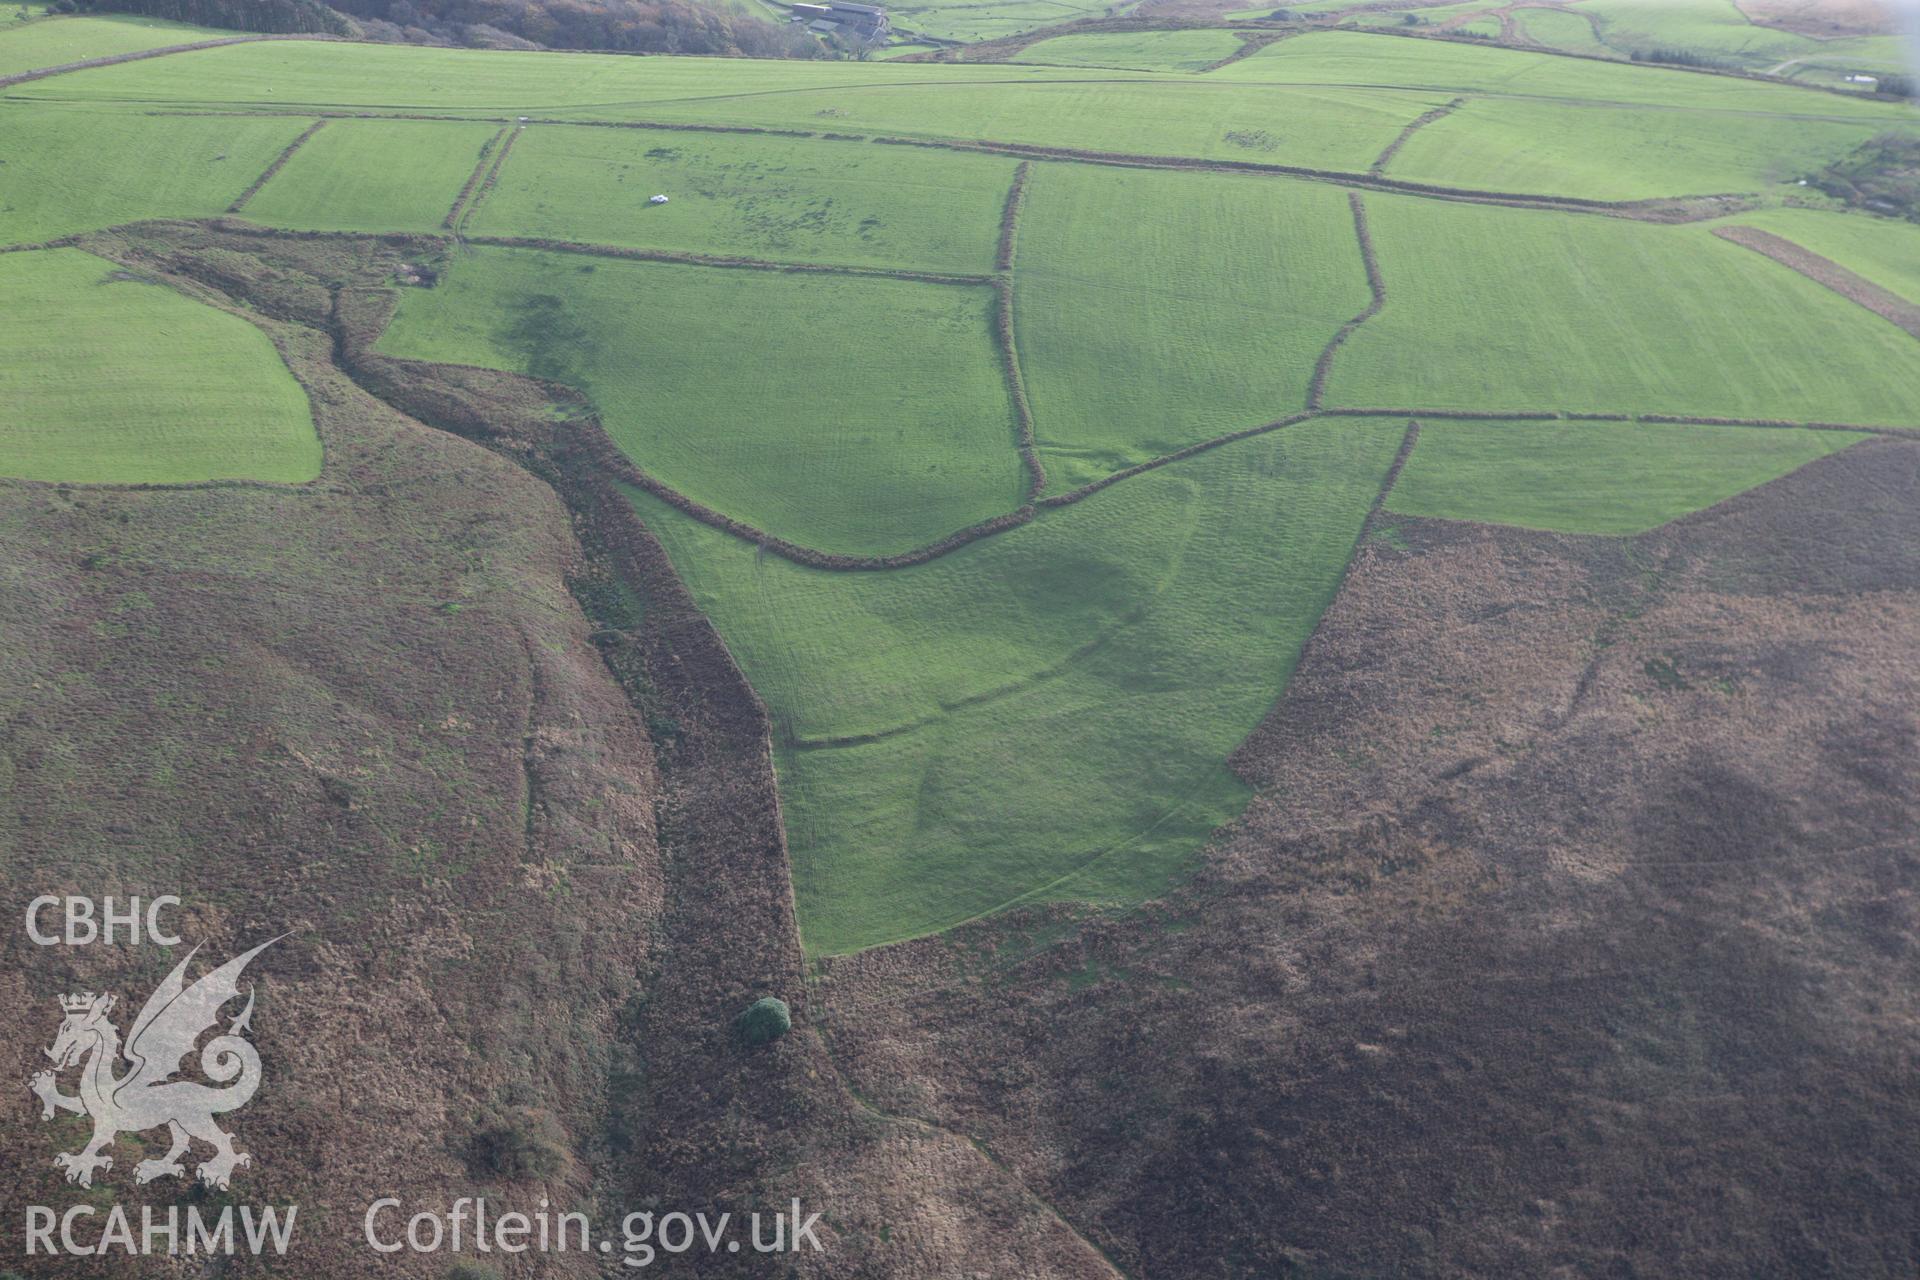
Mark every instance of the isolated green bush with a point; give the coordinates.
(765, 1019)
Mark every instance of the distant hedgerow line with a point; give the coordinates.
(735, 262)
(1850, 285)
(1010, 217)
(279, 163)
(452, 219)
(1380, 163)
(1003, 325)
(493, 176)
(359, 316)
(1407, 444)
(1017, 388)
(85, 64)
(1662, 209)
(1376, 288)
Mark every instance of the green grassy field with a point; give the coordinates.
(287, 75)
(1881, 249)
(1056, 703)
(1593, 477)
(54, 42)
(1718, 30)
(1323, 126)
(65, 169)
(1362, 58)
(857, 415)
(1517, 309)
(1045, 713)
(779, 198)
(1136, 50)
(373, 175)
(988, 19)
(1157, 309)
(1559, 29)
(1619, 153)
(115, 381)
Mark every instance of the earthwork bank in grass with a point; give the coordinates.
(790, 199)
(1046, 713)
(1593, 477)
(1156, 309)
(852, 414)
(111, 380)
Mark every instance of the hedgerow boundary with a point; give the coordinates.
(1003, 324)
(498, 140)
(87, 64)
(1380, 162)
(279, 163)
(439, 395)
(1852, 286)
(1662, 209)
(493, 175)
(1377, 298)
(727, 261)
(1666, 209)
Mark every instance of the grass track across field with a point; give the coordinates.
(1593, 477)
(1047, 712)
(108, 380)
(860, 415)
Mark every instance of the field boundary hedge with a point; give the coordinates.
(729, 262)
(1659, 209)
(423, 390)
(87, 64)
(279, 163)
(1376, 288)
(1380, 162)
(1852, 286)
(1003, 332)
(361, 315)
(1010, 217)
(502, 139)
(493, 176)
(1662, 209)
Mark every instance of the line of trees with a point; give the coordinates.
(632, 26)
(272, 17)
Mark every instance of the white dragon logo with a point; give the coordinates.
(147, 1096)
